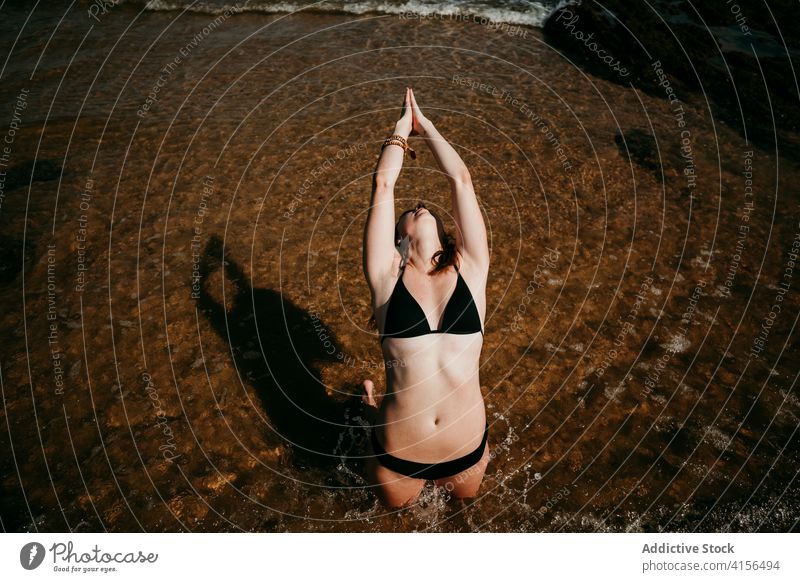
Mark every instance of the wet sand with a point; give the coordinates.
(186, 321)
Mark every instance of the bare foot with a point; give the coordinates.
(368, 398)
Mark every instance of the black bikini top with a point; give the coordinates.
(405, 317)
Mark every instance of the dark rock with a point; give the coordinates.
(715, 58)
(639, 146)
(13, 251)
(32, 171)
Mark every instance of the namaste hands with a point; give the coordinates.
(412, 121)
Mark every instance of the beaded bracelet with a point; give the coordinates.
(398, 139)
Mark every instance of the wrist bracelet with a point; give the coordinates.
(398, 139)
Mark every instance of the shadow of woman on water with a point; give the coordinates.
(277, 349)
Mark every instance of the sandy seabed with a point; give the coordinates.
(186, 321)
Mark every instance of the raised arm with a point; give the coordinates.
(379, 245)
(471, 239)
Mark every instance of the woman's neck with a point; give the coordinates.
(420, 254)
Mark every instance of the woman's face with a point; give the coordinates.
(418, 223)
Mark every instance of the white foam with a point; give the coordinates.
(677, 343)
(534, 13)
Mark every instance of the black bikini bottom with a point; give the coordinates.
(429, 470)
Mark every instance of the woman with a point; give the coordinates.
(429, 300)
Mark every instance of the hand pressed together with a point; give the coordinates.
(412, 121)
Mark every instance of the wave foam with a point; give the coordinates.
(520, 12)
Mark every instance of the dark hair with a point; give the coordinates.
(443, 258)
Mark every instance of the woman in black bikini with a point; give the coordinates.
(429, 298)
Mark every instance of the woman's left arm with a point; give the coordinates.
(471, 238)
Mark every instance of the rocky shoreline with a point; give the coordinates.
(731, 54)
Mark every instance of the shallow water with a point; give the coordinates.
(199, 261)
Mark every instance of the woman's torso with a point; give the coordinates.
(433, 409)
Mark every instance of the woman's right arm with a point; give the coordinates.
(379, 245)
